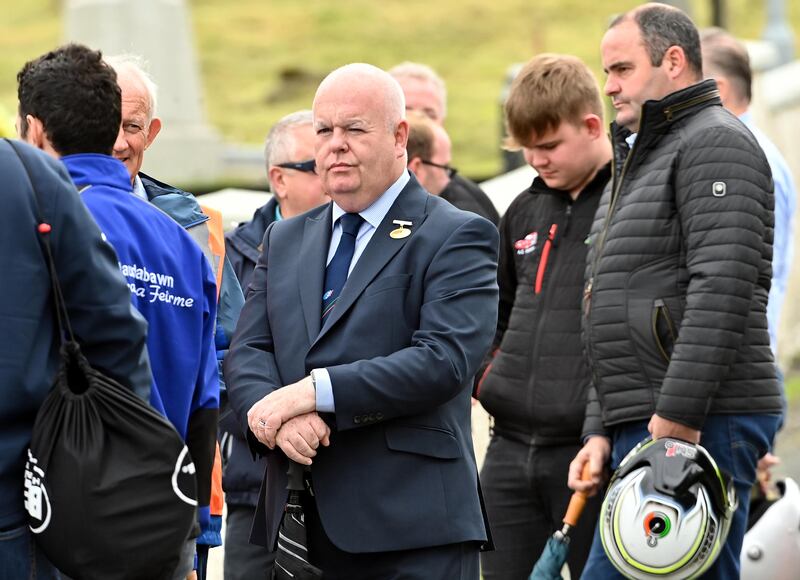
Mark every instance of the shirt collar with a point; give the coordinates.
(138, 188)
(375, 213)
(278, 216)
(746, 117)
(631, 139)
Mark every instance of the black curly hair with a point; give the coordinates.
(75, 95)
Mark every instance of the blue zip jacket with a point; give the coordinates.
(184, 208)
(171, 284)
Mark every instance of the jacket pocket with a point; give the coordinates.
(388, 283)
(423, 440)
(663, 329)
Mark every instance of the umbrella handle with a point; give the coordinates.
(577, 501)
(295, 474)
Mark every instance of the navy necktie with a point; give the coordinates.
(336, 272)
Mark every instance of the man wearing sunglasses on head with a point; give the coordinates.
(296, 188)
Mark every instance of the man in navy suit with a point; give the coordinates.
(369, 385)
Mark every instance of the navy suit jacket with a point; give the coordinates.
(408, 333)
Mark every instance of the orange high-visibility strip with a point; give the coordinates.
(217, 497)
(216, 242)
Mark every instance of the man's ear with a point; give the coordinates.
(152, 132)
(676, 61)
(401, 138)
(594, 125)
(415, 164)
(277, 180)
(35, 135)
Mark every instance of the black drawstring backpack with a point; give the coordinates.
(109, 484)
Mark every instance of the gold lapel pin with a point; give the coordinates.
(400, 232)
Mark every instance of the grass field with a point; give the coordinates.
(793, 387)
(263, 59)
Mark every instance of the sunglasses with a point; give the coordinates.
(451, 171)
(309, 166)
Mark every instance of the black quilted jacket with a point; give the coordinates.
(678, 271)
(536, 386)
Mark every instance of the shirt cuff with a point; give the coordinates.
(324, 394)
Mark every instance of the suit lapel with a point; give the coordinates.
(409, 206)
(311, 269)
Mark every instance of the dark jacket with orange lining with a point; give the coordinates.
(535, 382)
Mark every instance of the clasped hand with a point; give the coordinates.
(287, 418)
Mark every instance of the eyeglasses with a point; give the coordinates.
(451, 171)
(309, 166)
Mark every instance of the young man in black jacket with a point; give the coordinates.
(535, 385)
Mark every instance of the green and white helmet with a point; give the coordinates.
(667, 511)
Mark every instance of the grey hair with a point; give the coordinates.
(280, 139)
(138, 66)
(422, 72)
(662, 26)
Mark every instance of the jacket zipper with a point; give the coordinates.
(566, 219)
(670, 111)
(616, 184)
(543, 260)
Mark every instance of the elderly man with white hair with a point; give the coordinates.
(139, 128)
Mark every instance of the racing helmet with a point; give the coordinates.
(667, 511)
(771, 548)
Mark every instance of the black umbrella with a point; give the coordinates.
(291, 558)
(202, 561)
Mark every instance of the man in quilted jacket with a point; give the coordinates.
(678, 271)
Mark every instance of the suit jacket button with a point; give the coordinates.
(357, 419)
(379, 416)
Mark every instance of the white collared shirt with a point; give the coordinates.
(373, 216)
(138, 188)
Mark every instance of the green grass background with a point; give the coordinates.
(263, 59)
(793, 386)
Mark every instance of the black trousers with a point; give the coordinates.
(449, 562)
(526, 494)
